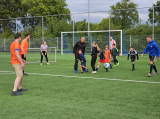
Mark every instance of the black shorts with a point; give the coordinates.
(133, 58)
(23, 57)
(83, 63)
(152, 58)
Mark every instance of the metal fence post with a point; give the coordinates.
(42, 30)
(130, 40)
(57, 43)
(153, 25)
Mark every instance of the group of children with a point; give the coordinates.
(104, 58)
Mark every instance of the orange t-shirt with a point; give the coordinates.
(107, 54)
(24, 43)
(15, 46)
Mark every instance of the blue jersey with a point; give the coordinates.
(82, 58)
(101, 55)
(152, 48)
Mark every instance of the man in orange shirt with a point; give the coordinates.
(17, 64)
(107, 55)
(24, 47)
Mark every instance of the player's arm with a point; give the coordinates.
(19, 58)
(22, 47)
(46, 50)
(128, 55)
(41, 50)
(157, 49)
(146, 50)
(74, 48)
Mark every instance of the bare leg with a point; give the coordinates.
(20, 84)
(84, 67)
(81, 68)
(16, 83)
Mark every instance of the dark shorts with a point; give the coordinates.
(152, 58)
(23, 57)
(83, 63)
(133, 59)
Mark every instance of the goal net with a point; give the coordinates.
(68, 40)
(34, 56)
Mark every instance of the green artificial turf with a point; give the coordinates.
(55, 92)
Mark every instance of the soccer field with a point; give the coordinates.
(55, 92)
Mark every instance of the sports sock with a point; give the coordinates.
(151, 67)
(110, 65)
(133, 66)
(106, 69)
(23, 71)
(155, 68)
(96, 69)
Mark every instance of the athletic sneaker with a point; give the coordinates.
(85, 70)
(22, 89)
(149, 74)
(48, 63)
(24, 74)
(155, 73)
(16, 93)
(75, 71)
(94, 72)
(41, 64)
(117, 63)
(133, 69)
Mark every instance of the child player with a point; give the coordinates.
(107, 55)
(83, 61)
(133, 54)
(115, 53)
(101, 59)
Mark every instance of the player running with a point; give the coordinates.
(115, 53)
(101, 59)
(112, 41)
(154, 51)
(17, 63)
(133, 55)
(24, 47)
(83, 61)
(107, 55)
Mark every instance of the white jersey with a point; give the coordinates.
(111, 44)
(44, 47)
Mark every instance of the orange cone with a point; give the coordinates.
(120, 54)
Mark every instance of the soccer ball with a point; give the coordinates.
(107, 65)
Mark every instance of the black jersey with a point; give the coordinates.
(94, 52)
(101, 55)
(79, 46)
(133, 54)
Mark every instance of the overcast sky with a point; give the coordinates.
(103, 5)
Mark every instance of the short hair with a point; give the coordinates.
(26, 35)
(148, 36)
(132, 47)
(80, 50)
(106, 46)
(82, 37)
(17, 35)
(114, 44)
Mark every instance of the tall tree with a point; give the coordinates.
(124, 18)
(156, 13)
(10, 9)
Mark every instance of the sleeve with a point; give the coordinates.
(137, 55)
(74, 48)
(157, 49)
(23, 43)
(128, 55)
(146, 50)
(84, 49)
(114, 42)
(16, 47)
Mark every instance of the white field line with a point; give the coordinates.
(84, 77)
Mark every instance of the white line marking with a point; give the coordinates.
(83, 77)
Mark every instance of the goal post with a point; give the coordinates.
(68, 39)
(34, 56)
